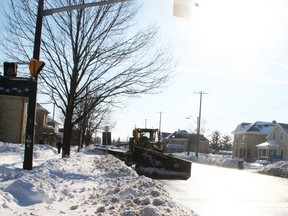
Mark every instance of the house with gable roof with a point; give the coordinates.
(182, 140)
(46, 129)
(247, 136)
(276, 144)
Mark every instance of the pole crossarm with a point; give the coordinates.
(48, 12)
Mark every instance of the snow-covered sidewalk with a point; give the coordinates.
(87, 183)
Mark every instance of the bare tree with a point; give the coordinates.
(92, 121)
(96, 48)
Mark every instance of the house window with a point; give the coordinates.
(282, 153)
(273, 136)
(236, 139)
(243, 139)
(263, 152)
(281, 135)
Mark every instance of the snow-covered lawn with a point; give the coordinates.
(87, 183)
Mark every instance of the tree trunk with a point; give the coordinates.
(67, 132)
(66, 139)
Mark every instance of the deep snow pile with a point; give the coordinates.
(87, 183)
(279, 168)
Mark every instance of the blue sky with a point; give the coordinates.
(234, 50)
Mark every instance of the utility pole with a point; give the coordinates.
(30, 135)
(160, 121)
(199, 122)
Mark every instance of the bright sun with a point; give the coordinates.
(237, 28)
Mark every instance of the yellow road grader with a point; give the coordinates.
(146, 154)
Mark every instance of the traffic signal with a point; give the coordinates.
(35, 66)
(10, 69)
(182, 8)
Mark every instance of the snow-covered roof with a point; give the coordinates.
(284, 127)
(17, 86)
(179, 134)
(258, 127)
(39, 107)
(183, 134)
(270, 144)
(50, 120)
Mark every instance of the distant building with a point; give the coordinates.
(247, 136)
(13, 118)
(276, 145)
(182, 141)
(46, 129)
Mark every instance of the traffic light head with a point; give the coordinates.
(35, 66)
(10, 69)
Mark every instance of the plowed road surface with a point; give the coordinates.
(216, 191)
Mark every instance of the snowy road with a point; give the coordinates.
(214, 191)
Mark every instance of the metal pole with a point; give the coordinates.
(30, 135)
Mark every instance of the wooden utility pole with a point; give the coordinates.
(199, 122)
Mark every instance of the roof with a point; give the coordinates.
(284, 127)
(39, 107)
(258, 127)
(183, 134)
(17, 86)
(179, 134)
(270, 144)
(50, 120)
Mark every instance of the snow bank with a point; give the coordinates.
(211, 159)
(87, 183)
(279, 168)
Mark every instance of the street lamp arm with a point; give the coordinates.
(48, 12)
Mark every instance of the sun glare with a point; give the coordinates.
(237, 28)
